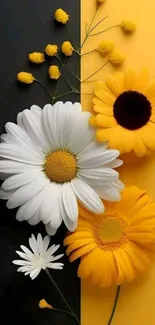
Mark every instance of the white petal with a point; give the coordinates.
(70, 225)
(77, 106)
(18, 136)
(114, 164)
(51, 124)
(87, 196)
(35, 219)
(97, 176)
(50, 207)
(46, 242)
(35, 109)
(51, 250)
(13, 167)
(19, 180)
(33, 244)
(119, 185)
(55, 258)
(56, 266)
(20, 154)
(34, 127)
(82, 133)
(50, 231)
(109, 193)
(40, 243)
(35, 273)
(23, 255)
(5, 195)
(21, 262)
(96, 155)
(26, 250)
(26, 192)
(69, 201)
(28, 209)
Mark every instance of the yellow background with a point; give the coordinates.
(136, 304)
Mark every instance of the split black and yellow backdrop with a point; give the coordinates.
(26, 27)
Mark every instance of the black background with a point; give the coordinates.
(28, 26)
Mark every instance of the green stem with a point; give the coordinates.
(39, 82)
(88, 31)
(105, 30)
(95, 72)
(62, 311)
(115, 305)
(88, 52)
(67, 93)
(62, 296)
(71, 38)
(98, 24)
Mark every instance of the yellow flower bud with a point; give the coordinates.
(61, 16)
(43, 304)
(54, 72)
(128, 26)
(51, 50)
(116, 59)
(67, 48)
(37, 57)
(105, 47)
(25, 77)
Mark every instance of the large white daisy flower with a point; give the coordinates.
(41, 257)
(50, 160)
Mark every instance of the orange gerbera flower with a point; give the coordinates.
(115, 246)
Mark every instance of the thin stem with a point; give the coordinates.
(88, 52)
(115, 305)
(44, 87)
(105, 30)
(67, 81)
(62, 296)
(95, 72)
(62, 311)
(57, 57)
(71, 38)
(98, 24)
(67, 93)
(88, 30)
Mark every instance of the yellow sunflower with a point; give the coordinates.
(115, 246)
(124, 107)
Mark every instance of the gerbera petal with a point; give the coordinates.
(78, 244)
(80, 235)
(105, 95)
(20, 154)
(82, 251)
(116, 83)
(86, 266)
(126, 265)
(139, 146)
(147, 134)
(87, 196)
(105, 121)
(130, 77)
(103, 108)
(26, 192)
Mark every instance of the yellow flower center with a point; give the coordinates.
(60, 166)
(111, 233)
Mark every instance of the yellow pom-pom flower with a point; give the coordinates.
(37, 57)
(51, 50)
(25, 77)
(105, 47)
(119, 244)
(128, 26)
(61, 16)
(116, 59)
(67, 48)
(54, 72)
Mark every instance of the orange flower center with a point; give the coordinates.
(60, 166)
(111, 233)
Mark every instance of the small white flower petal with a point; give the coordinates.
(25, 193)
(69, 201)
(21, 262)
(40, 244)
(35, 273)
(23, 255)
(57, 257)
(27, 251)
(51, 250)
(46, 242)
(87, 196)
(56, 266)
(33, 244)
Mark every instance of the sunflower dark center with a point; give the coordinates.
(132, 110)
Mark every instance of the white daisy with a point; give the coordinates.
(41, 257)
(50, 160)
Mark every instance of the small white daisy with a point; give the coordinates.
(50, 160)
(41, 257)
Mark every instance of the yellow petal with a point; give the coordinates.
(138, 256)
(105, 121)
(86, 266)
(106, 96)
(147, 133)
(150, 92)
(78, 243)
(130, 77)
(102, 108)
(139, 147)
(98, 84)
(121, 274)
(116, 83)
(77, 235)
(126, 264)
(82, 251)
